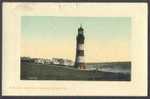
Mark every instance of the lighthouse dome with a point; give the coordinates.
(80, 29)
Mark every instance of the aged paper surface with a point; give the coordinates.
(11, 83)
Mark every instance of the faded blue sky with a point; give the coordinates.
(106, 38)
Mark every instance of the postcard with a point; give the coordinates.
(75, 49)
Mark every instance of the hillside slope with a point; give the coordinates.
(30, 71)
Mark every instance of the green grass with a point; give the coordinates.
(30, 71)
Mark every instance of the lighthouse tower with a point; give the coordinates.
(79, 60)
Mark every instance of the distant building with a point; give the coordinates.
(68, 62)
(57, 61)
(61, 61)
(42, 61)
(47, 61)
(39, 60)
(27, 60)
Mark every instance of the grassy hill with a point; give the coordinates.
(31, 71)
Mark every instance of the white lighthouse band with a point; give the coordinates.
(80, 59)
(80, 47)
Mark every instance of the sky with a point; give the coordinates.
(106, 38)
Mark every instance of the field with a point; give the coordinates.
(31, 71)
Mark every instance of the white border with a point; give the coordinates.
(11, 83)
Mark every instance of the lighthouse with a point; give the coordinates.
(79, 60)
